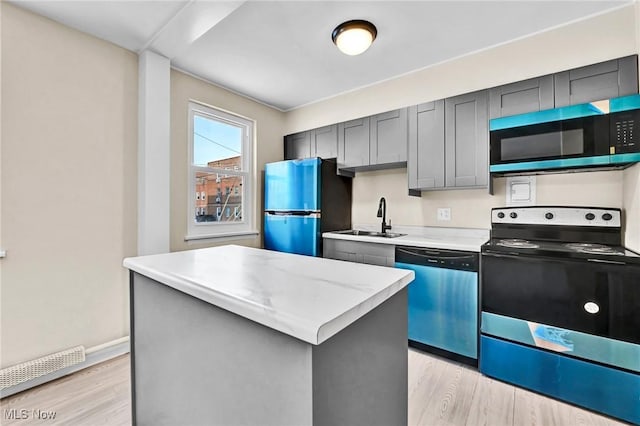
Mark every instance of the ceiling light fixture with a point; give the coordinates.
(354, 37)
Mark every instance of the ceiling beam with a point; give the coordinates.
(187, 25)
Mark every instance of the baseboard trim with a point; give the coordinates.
(100, 354)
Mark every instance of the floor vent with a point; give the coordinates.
(29, 370)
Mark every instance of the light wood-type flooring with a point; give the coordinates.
(440, 393)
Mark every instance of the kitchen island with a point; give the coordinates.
(233, 335)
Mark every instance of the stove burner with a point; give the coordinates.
(517, 243)
(590, 248)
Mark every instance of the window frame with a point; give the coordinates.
(217, 229)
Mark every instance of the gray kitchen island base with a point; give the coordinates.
(194, 363)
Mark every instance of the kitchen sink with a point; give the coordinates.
(369, 233)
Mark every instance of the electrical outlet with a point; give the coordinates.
(444, 214)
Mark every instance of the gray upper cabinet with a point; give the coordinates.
(297, 145)
(449, 143)
(321, 142)
(388, 138)
(324, 142)
(535, 94)
(425, 165)
(467, 140)
(610, 79)
(353, 143)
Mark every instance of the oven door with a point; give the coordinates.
(593, 297)
(579, 142)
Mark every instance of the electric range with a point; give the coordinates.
(569, 232)
(560, 306)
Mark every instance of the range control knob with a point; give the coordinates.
(513, 215)
(607, 216)
(501, 215)
(549, 215)
(589, 216)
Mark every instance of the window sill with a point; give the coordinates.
(224, 235)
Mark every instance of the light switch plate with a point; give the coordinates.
(444, 213)
(521, 191)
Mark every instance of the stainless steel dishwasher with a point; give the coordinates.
(443, 301)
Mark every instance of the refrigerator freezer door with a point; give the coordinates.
(292, 185)
(292, 233)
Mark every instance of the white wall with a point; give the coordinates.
(599, 38)
(69, 130)
(269, 147)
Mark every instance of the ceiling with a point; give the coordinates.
(280, 52)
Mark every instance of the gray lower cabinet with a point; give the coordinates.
(535, 94)
(610, 79)
(297, 145)
(466, 140)
(425, 163)
(353, 143)
(388, 137)
(449, 143)
(359, 252)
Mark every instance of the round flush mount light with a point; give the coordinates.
(354, 37)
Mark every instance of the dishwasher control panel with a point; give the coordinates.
(439, 258)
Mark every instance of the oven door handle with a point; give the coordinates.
(516, 256)
(610, 262)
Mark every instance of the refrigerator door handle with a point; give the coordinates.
(295, 213)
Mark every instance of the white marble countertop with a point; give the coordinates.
(467, 239)
(309, 298)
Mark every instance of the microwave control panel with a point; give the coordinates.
(624, 132)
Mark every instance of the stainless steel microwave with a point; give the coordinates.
(598, 134)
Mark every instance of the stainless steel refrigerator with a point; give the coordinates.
(303, 199)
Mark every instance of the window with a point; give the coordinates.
(220, 159)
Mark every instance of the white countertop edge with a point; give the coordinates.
(218, 299)
(440, 231)
(451, 243)
(332, 328)
(309, 334)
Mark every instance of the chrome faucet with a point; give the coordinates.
(382, 212)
